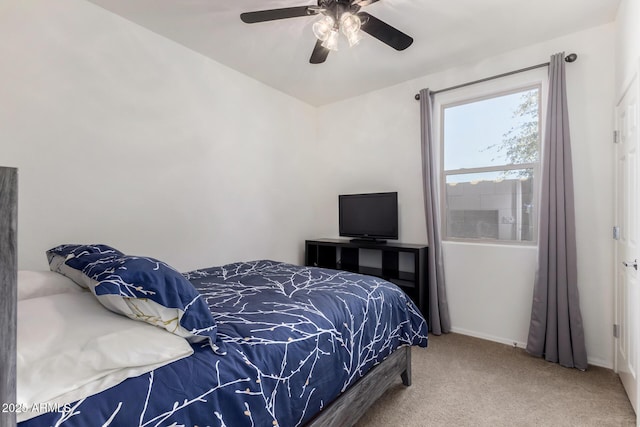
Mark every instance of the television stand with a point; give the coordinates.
(342, 254)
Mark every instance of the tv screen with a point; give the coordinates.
(371, 216)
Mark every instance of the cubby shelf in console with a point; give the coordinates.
(342, 254)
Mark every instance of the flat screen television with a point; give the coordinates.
(372, 216)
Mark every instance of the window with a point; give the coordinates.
(490, 155)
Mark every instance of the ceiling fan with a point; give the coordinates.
(337, 15)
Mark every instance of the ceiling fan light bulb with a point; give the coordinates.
(350, 23)
(331, 42)
(322, 29)
(354, 38)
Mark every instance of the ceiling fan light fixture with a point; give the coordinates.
(354, 38)
(350, 25)
(322, 29)
(331, 42)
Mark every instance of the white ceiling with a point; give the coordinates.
(446, 33)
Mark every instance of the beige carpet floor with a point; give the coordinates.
(465, 381)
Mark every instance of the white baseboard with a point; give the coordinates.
(519, 344)
(488, 337)
(599, 362)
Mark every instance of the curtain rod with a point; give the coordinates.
(569, 58)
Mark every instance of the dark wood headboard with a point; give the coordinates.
(8, 291)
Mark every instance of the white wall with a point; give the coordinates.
(627, 42)
(124, 137)
(372, 143)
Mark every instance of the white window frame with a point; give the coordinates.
(537, 78)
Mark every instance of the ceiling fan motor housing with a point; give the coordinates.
(336, 8)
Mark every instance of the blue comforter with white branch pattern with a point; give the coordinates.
(295, 338)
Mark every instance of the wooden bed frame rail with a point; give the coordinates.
(347, 409)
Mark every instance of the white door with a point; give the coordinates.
(627, 219)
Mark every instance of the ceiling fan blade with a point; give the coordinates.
(363, 3)
(384, 32)
(319, 54)
(273, 14)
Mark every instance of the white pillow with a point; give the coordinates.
(34, 284)
(71, 347)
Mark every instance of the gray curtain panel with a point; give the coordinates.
(556, 331)
(438, 317)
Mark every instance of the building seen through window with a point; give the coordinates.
(490, 165)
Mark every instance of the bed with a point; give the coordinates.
(287, 346)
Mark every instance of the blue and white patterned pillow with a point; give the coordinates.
(69, 260)
(140, 288)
